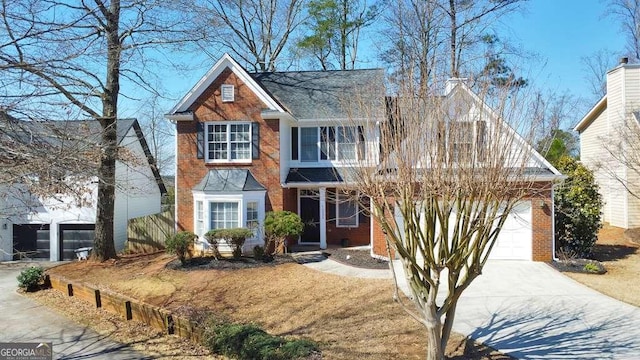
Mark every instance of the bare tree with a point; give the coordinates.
(159, 133)
(443, 38)
(70, 57)
(621, 159)
(453, 173)
(255, 31)
(595, 67)
(627, 12)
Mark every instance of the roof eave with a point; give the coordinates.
(185, 116)
(588, 118)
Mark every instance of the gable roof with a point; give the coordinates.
(59, 133)
(322, 94)
(302, 94)
(181, 110)
(598, 108)
(229, 180)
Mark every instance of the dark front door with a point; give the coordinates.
(75, 236)
(310, 215)
(30, 241)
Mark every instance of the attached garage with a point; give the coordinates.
(74, 236)
(30, 241)
(516, 236)
(514, 241)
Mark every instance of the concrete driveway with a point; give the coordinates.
(24, 320)
(531, 311)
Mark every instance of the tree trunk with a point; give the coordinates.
(453, 34)
(434, 335)
(103, 245)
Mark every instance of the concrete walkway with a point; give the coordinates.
(24, 320)
(531, 311)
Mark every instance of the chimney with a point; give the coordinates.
(624, 60)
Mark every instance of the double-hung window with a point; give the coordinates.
(229, 142)
(463, 141)
(341, 143)
(199, 218)
(223, 215)
(347, 209)
(252, 216)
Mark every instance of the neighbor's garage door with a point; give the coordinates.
(30, 241)
(514, 240)
(74, 236)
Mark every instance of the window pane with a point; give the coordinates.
(347, 136)
(347, 210)
(224, 215)
(217, 142)
(309, 144)
(328, 143)
(199, 218)
(252, 216)
(240, 141)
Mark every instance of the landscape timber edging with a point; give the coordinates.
(128, 308)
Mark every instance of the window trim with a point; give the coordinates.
(228, 141)
(352, 195)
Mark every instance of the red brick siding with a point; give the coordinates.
(358, 236)
(209, 107)
(541, 224)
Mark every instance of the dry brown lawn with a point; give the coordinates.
(350, 318)
(621, 258)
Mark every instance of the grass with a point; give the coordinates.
(350, 318)
(621, 258)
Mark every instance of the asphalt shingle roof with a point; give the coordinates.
(326, 94)
(228, 180)
(313, 175)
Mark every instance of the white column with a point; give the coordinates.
(323, 218)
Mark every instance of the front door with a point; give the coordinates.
(310, 214)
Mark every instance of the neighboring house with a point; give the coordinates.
(248, 143)
(52, 225)
(603, 132)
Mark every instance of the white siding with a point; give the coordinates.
(137, 192)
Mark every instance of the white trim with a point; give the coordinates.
(186, 116)
(226, 61)
(587, 118)
(323, 218)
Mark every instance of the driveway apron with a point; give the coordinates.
(24, 320)
(531, 311)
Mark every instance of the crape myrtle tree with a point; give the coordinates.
(451, 173)
(71, 58)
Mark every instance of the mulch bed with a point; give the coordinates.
(583, 266)
(356, 257)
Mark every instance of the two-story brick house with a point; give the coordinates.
(248, 143)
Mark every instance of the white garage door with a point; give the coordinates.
(514, 240)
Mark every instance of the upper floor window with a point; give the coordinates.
(463, 141)
(227, 92)
(341, 143)
(229, 142)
